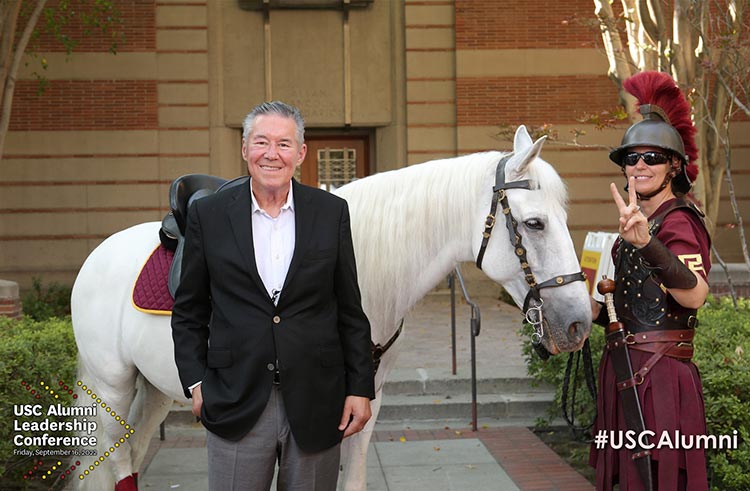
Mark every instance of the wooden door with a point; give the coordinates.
(333, 161)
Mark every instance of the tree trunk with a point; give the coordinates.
(12, 60)
(8, 20)
(710, 78)
(619, 60)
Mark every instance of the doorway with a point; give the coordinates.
(333, 161)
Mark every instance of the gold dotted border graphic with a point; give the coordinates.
(37, 395)
(129, 431)
(47, 389)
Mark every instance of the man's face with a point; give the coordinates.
(272, 152)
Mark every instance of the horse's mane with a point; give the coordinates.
(407, 220)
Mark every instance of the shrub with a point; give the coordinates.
(722, 353)
(40, 303)
(30, 352)
(552, 371)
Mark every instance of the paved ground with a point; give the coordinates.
(418, 455)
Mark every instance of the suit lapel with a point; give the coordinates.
(239, 211)
(304, 219)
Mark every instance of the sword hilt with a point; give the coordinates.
(606, 287)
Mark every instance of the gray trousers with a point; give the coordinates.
(249, 464)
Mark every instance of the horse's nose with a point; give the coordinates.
(576, 332)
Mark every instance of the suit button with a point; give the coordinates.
(271, 367)
(276, 319)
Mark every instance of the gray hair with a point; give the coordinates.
(279, 108)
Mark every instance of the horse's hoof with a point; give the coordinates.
(126, 484)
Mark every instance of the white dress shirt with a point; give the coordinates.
(273, 241)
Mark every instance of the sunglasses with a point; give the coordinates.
(650, 158)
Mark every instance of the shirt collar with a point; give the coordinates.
(288, 205)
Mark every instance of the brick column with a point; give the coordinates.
(10, 301)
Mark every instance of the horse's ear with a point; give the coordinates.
(522, 140)
(525, 150)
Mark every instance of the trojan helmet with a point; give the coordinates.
(666, 124)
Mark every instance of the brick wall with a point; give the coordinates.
(96, 152)
(85, 105)
(91, 104)
(533, 100)
(491, 24)
(430, 79)
(135, 31)
(722, 290)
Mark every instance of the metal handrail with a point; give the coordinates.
(475, 325)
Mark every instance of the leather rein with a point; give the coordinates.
(533, 303)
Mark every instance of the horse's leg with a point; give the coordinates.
(121, 460)
(149, 409)
(117, 392)
(354, 448)
(354, 452)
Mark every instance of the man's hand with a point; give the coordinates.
(356, 409)
(633, 223)
(197, 401)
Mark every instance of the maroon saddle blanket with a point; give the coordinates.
(150, 292)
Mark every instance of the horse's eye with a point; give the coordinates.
(534, 224)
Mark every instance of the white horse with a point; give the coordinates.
(411, 227)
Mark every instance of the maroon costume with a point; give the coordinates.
(671, 395)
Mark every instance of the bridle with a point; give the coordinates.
(533, 303)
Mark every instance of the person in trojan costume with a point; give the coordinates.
(662, 260)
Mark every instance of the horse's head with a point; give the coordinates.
(530, 225)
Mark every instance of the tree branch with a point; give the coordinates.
(733, 95)
(733, 201)
(723, 265)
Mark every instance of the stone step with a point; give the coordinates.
(526, 406)
(422, 395)
(521, 408)
(447, 399)
(456, 386)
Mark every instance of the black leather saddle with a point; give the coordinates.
(182, 192)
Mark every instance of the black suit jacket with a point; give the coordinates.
(227, 331)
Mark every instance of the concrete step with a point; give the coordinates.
(438, 395)
(526, 406)
(512, 408)
(499, 399)
(458, 386)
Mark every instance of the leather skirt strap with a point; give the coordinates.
(679, 351)
(675, 335)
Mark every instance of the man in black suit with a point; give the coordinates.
(270, 338)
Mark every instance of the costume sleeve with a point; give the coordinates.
(685, 236)
(192, 307)
(354, 327)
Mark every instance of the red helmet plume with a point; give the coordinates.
(659, 89)
(666, 124)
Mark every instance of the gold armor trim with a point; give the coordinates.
(692, 261)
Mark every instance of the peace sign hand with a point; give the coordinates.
(633, 223)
